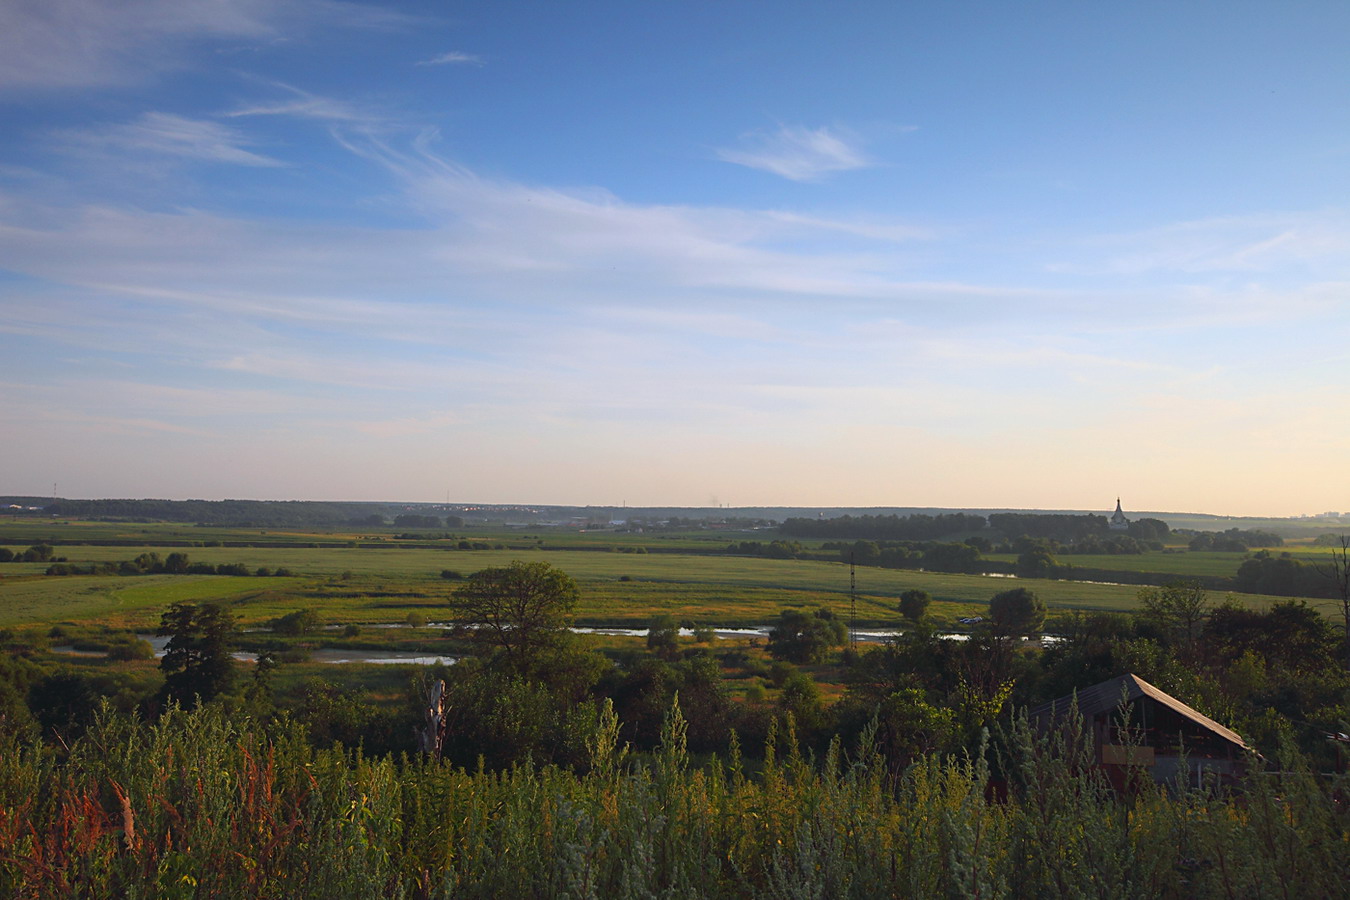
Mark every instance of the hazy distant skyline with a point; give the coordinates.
(977, 255)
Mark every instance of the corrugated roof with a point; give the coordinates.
(1106, 697)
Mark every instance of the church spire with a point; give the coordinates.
(1118, 520)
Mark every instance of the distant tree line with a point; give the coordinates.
(1283, 576)
(1107, 545)
(1070, 530)
(932, 556)
(918, 527)
(773, 549)
(411, 520)
(150, 563)
(1235, 540)
(245, 513)
(1057, 527)
(702, 522)
(35, 553)
(1114, 544)
(1090, 533)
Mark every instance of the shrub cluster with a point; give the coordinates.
(149, 563)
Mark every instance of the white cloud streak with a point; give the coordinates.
(305, 105)
(501, 309)
(455, 58)
(63, 44)
(1238, 244)
(171, 135)
(797, 153)
(481, 251)
(87, 43)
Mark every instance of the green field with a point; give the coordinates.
(381, 584)
(1181, 563)
(626, 578)
(20, 533)
(114, 600)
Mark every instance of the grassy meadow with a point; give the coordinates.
(351, 577)
(1178, 562)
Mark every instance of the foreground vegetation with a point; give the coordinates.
(201, 805)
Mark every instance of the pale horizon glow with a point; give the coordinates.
(883, 255)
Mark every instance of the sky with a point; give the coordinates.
(952, 254)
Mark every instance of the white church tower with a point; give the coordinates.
(1118, 520)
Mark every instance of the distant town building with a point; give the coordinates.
(1118, 520)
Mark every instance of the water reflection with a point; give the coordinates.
(403, 657)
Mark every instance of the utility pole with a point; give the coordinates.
(853, 604)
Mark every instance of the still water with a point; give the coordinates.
(401, 657)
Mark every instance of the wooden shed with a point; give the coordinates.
(1159, 729)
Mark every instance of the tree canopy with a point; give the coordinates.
(914, 603)
(1179, 608)
(803, 637)
(1017, 612)
(519, 608)
(1036, 561)
(197, 664)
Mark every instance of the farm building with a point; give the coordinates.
(1160, 729)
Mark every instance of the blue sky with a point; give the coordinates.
(947, 254)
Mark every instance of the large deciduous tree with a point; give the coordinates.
(1036, 561)
(520, 608)
(914, 604)
(1016, 612)
(803, 637)
(1179, 608)
(663, 636)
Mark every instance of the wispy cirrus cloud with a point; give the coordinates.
(305, 105)
(61, 44)
(587, 303)
(798, 153)
(172, 135)
(873, 230)
(1252, 243)
(82, 43)
(454, 58)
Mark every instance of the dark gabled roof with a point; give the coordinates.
(1106, 697)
